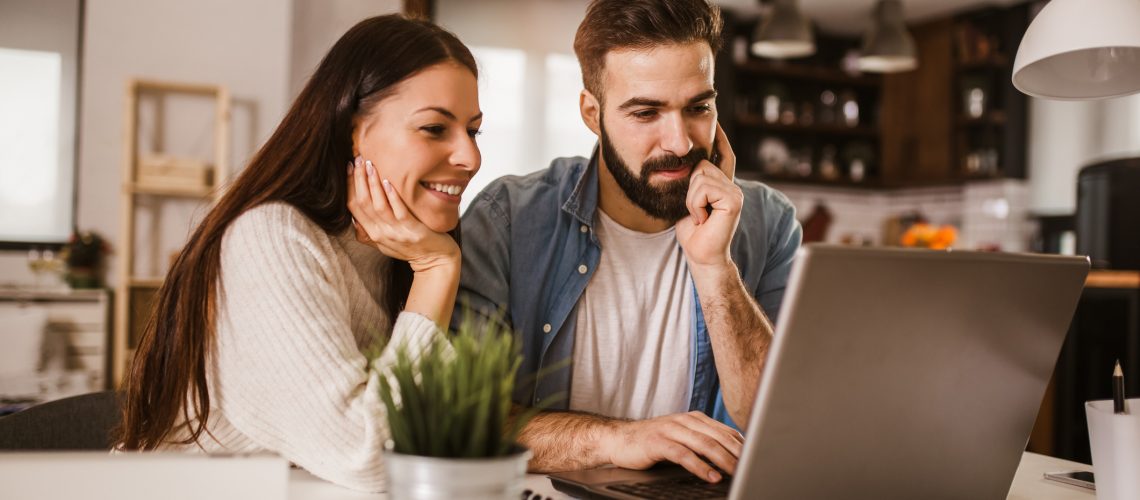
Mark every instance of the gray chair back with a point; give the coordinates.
(82, 422)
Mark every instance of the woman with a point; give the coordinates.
(256, 341)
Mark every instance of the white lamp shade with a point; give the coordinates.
(785, 33)
(1081, 49)
(783, 49)
(887, 64)
(887, 45)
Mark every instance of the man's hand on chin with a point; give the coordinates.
(691, 440)
(705, 235)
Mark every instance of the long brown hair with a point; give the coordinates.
(303, 164)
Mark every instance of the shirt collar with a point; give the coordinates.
(583, 200)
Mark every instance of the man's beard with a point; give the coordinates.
(666, 201)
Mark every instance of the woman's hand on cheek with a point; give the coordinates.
(383, 220)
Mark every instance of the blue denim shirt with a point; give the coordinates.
(529, 250)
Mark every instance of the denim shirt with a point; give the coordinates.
(529, 250)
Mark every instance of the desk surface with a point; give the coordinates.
(1028, 484)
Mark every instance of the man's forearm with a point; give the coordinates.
(740, 334)
(566, 440)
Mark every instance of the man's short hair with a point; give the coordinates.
(640, 24)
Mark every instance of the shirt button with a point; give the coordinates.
(584, 229)
(582, 269)
(546, 328)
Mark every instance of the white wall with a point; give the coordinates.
(1067, 135)
(48, 176)
(243, 45)
(317, 24)
(987, 214)
(529, 81)
(262, 50)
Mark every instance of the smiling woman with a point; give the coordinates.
(39, 47)
(338, 238)
(427, 152)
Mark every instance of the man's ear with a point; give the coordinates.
(591, 109)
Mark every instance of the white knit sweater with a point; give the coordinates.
(296, 308)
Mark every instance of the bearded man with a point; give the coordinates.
(647, 266)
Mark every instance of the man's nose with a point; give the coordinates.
(675, 136)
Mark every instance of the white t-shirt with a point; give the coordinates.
(633, 337)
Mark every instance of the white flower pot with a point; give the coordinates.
(431, 478)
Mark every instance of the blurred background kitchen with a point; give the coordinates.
(885, 122)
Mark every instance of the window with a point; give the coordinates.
(530, 104)
(39, 47)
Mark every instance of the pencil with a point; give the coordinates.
(1118, 390)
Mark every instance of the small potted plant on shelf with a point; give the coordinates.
(453, 432)
(83, 255)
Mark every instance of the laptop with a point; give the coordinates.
(894, 373)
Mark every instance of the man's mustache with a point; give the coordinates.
(674, 162)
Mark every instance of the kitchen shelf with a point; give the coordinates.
(136, 294)
(982, 44)
(994, 118)
(173, 191)
(818, 74)
(754, 175)
(137, 282)
(752, 120)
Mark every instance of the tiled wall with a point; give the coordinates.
(996, 213)
(986, 213)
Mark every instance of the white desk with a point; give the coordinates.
(1028, 484)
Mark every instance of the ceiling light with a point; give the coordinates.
(1081, 49)
(784, 33)
(887, 45)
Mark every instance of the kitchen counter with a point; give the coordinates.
(1113, 279)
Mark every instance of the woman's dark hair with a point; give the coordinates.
(303, 164)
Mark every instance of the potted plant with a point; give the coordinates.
(453, 433)
(83, 255)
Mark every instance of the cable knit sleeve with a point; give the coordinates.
(287, 372)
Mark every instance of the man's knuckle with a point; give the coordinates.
(676, 452)
(709, 443)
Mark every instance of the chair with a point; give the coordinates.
(80, 422)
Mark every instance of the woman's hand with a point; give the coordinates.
(383, 220)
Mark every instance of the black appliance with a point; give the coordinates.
(1108, 213)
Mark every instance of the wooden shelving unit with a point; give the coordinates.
(786, 116)
(984, 42)
(808, 73)
(135, 294)
(920, 125)
(820, 129)
(188, 192)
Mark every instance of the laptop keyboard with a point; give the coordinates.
(687, 487)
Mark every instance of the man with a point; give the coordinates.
(647, 266)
